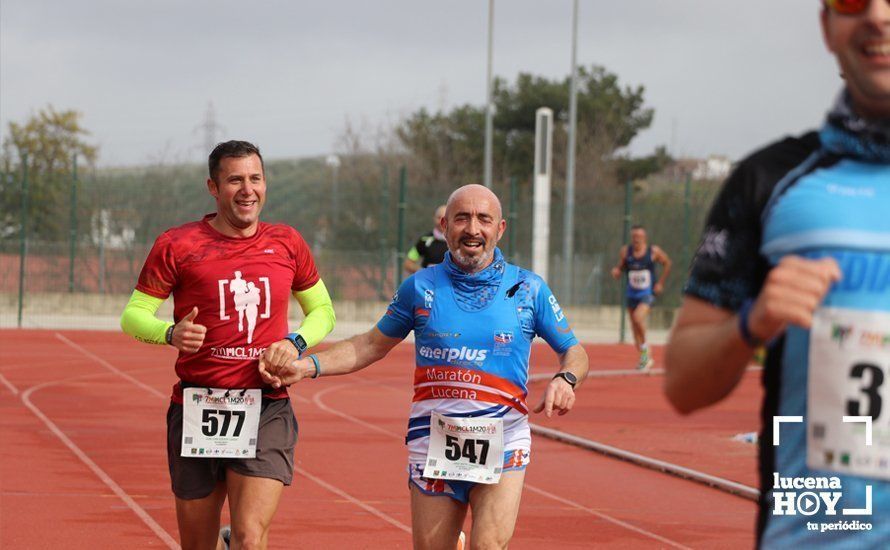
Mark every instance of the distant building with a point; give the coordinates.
(715, 167)
(109, 233)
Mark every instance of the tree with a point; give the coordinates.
(638, 168)
(49, 140)
(450, 145)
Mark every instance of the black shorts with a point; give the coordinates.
(193, 477)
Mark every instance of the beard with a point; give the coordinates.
(472, 263)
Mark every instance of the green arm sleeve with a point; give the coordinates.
(139, 321)
(319, 311)
(413, 255)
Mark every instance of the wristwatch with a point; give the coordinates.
(568, 377)
(168, 335)
(297, 341)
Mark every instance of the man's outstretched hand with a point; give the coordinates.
(559, 397)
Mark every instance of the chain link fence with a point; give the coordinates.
(73, 246)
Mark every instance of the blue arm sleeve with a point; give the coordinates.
(399, 318)
(550, 321)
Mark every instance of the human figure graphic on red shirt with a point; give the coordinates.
(251, 308)
(238, 287)
(218, 380)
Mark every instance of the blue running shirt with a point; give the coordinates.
(796, 197)
(473, 338)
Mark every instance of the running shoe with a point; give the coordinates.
(645, 363)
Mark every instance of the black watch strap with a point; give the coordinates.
(168, 336)
(570, 378)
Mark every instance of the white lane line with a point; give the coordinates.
(105, 478)
(326, 485)
(364, 506)
(111, 367)
(605, 517)
(8, 384)
(542, 492)
(317, 400)
(19, 365)
(538, 376)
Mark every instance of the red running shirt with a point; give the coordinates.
(242, 289)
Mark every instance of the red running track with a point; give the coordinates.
(83, 464)
(629, 411)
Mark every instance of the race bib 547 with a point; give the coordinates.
(465, 449)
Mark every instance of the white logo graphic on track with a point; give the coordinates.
(246, 297)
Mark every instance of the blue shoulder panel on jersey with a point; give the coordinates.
(542, 314)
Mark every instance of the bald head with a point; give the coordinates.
(476, 194)
(473, 225)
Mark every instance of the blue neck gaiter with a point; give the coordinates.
(475, 291)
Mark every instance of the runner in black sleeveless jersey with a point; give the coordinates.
(638, 259)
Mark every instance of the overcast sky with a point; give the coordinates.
(723, 76)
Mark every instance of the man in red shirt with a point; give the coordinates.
(231, 277)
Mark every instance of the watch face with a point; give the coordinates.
(301, 343)
(568, 377)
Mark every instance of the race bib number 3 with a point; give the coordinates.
(220, 423)
(465, 449)
(848, 376)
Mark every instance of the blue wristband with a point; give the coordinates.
(744, 330)
(317, 365)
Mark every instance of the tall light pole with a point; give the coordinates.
(541, 193)
(568, 235)
(489, 108)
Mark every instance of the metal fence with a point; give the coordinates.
(73, 241)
